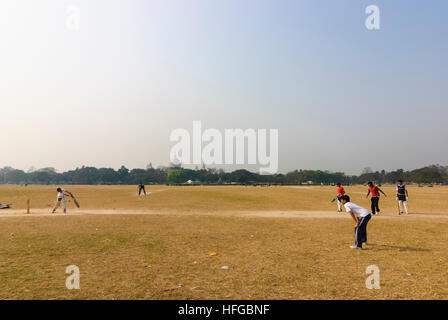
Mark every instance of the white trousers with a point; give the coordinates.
(402, 203)
(58, 204)
(339, 205)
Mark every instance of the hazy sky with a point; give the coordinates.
(110, 93)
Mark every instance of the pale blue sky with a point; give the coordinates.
(342, 97)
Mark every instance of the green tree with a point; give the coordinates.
(15, 177)
(123, 174)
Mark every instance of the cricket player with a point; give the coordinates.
(141, 187)
(402, 197)
(341, 192)
(361, 217)
(374, 191)
(61, 199)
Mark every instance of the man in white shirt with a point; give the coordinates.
(61, 199)
(361, 217)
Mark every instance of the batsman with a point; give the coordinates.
(61, 199)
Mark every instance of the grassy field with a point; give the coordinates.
(278, 242)
(203, 199)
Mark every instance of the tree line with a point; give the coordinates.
(178, 175)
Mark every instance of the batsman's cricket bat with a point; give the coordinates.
(334, 199)
(76, 202)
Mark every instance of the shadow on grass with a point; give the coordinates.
(400, 248)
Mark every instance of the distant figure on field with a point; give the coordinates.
(141, 187)
(402, 197)
(61, 199)
(361, 217)
(340, 193)
(374, 191)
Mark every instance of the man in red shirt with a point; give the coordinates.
(341, 192)
(374, 191)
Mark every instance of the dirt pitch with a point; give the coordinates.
(279, 243)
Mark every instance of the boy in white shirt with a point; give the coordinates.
(361, 217)
(61, 199)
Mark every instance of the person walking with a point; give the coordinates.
(374, 191)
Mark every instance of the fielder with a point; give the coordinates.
(374, 191)
(341, 192)
(141, 187)
(61, 199)
(402, 197)
(361, 217)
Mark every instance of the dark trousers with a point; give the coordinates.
(374, 206)
(361, 230)
(141, 189)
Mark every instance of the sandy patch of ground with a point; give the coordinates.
(249, 214)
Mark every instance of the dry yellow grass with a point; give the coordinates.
(200, 199)
(268, 258)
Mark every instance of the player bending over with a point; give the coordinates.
(361, 217)
(402, 197)
(61, 199)
(374, 191)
